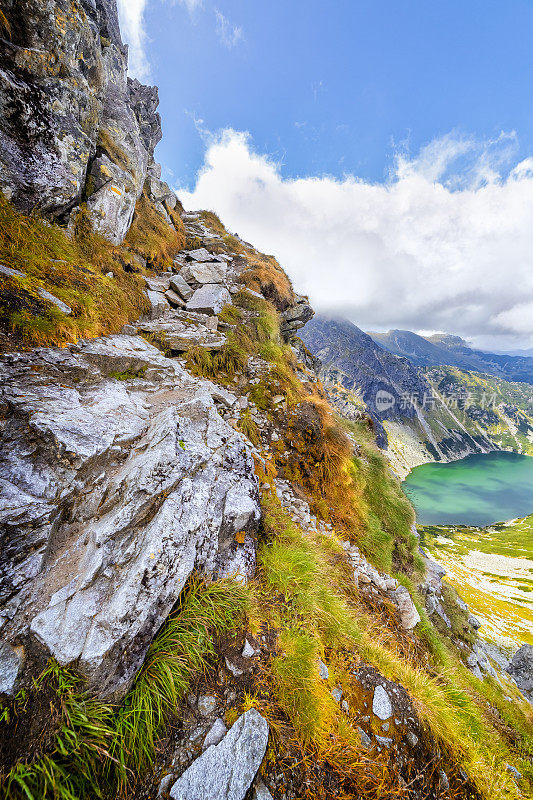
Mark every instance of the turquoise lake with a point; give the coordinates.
(477, 490)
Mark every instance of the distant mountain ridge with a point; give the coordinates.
(423, 412)
(444, 349)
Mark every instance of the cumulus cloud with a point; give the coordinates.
(131, 17)
(229, 34)
(445, 244)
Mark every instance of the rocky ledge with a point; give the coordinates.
(118, 478)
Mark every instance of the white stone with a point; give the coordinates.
(233, 668)
(209, 299)
(124, 485)
(11, 273)
(10, 663)
(174, 299)
(409, 615)
(206, 705)
(157, 284)
(381, 704)
(260, 792)
(323, 671)
(336, 693)
(179, 285)
(55, 300)
(159, 304)
(215, 734)
(248, 651)
(200, 255)
(225, 771)
(208, 272)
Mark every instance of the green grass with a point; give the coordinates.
(386, 536)
(84, 741)
(320, 613)
(100, 749)
(183, 648)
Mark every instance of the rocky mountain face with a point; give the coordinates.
(444, 349)
(75, 129)
(431, 414)
(352, 362)
(209, 586)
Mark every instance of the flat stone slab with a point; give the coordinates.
(225, 771)
(156, 284)
(209, 299)
(179, 336)
(200, 255)
(55, 300)
(174, 299)
(208, 272)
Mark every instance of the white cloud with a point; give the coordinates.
(414, 252)
(131, 16)
(230, 35)
(191, 5)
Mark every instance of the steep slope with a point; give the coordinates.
(354, 366)
(444, 349)
(492, 568)
(211, 586)
(425, 414)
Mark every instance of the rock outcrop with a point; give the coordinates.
(521, 669)
(226, 770)
(73, 128)
(118, 479)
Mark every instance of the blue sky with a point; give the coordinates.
(334, 86)
(397, 134)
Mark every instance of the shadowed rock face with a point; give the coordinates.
(72, 128)
(350, 357)
(521, 669)
(111, 493)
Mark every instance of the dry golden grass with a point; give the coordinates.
(151, 237)
(72, 269)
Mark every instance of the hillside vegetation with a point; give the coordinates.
(335, 545)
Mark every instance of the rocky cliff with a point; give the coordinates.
(209, 582)
(75, 129)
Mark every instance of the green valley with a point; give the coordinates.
(492, 569)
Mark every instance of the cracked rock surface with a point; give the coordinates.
(118, 478)
(225, 771)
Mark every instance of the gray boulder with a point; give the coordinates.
(205, 272)
(409, 615)
(201, 254)
(158, 304)
(209, 299)
(174, 299)
(180, 285)
(521, 669)
(111, 493)
(10, 664)
(225, 771)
